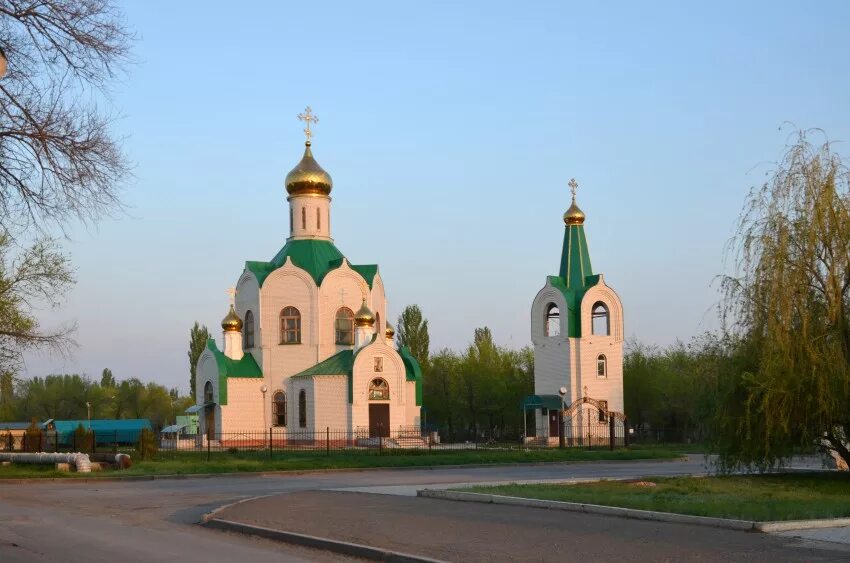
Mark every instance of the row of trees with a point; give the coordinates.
(70, 397)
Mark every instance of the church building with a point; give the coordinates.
(306, 345)
(577, 333)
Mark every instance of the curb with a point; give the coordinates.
(336, 546)
(727, 523)
(246, 474)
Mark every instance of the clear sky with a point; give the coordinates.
(451, 130)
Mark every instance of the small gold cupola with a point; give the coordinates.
(364, 316)
(574, 215)
(390, 331)
(231, 322)
(308, 177)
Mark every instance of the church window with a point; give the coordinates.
(379, 363)
(279, 408)
(377, 323)
(553, 320)
(290, 326)
(601, 366)
(600, 319)
(303, 217)
(302, 409)
(208, 392)
(344, 326)
(318, 219)
(603, 411)
(249, 329)
(379, 390)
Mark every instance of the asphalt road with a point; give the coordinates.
(155, 520)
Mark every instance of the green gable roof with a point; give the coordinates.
(412, 371)
(316, 257)
(575, 276)
(227, 367)
(341, 363)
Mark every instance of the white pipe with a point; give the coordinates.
(79, 460)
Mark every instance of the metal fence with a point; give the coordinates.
(54, 441)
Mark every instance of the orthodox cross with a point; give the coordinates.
(231, 291)
(307, 117)
(573, 185)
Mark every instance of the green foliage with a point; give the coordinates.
(790, 306)
(83, 439)
(479, 389)
(146, 447)
(107, 380)
(198, 337)
(412, 331)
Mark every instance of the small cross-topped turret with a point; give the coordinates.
(307, 117)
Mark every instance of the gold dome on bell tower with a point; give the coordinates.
(574, 215)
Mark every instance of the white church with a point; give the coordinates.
(306, 344)
(577, 333)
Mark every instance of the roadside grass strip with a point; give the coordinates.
(195, 463)
(760, 498)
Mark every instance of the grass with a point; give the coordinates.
(791, 496)
(186, 463)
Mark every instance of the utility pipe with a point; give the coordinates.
(79, 460)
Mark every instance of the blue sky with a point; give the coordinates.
(451, 130)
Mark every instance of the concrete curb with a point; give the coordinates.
(247, 474)
(731, 524)
(336, 546)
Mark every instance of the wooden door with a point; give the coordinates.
(379, 420)
(553, 423)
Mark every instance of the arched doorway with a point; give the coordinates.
(379, 408)
(209, 411)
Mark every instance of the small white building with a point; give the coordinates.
(577, 333)
(306, 344)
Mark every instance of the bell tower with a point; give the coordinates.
(308, 189)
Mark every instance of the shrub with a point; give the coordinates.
(33, 437)
(83, 439)
(146, 447)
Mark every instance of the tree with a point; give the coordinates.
(790, 303)
(38, 275)
(107, 380)
(412, 331)
(7, 396)
(58, 159)
(198, 337)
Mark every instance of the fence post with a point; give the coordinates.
(328, 439)
(611, 434)
(115, 442)
(74, 442)
(625, 434)
(270, 443)
(93, 442)
(208, 447)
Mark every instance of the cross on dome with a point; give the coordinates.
(231, 292)
(573, 186)
(307, 117)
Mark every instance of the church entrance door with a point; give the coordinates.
(553, 424)
(379, 420)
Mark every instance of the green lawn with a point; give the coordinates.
(223, 462)
(791, 496)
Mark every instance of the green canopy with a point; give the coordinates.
(551, 402)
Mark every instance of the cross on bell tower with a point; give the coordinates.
(308, 116)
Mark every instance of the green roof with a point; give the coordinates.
(551, 402)
(246, 367)
(340, 363)
(316, 257)
(575, 276)
(412, 371)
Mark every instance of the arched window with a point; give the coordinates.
(303, 217)
(279, 408)
(377, 323)
(553, 320)
(600, 319)
(601, 366)
(344, 326)
(208, 392)
(302, 409)
(318, 219)
(249, 329)
(379, 390)
(290, 326)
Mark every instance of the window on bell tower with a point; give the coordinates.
(600, 319)
(303, 217)
(318, 219)
(553, 320)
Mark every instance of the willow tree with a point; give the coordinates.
(789, 389)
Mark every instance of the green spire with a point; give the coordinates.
(575, 258)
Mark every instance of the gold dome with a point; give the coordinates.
(574, 215)
(363, 316)
(308, 177)
(390, 331)
(232, 322)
